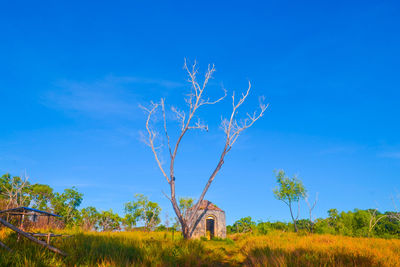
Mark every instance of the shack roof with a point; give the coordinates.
(208, 205)
(28, 211)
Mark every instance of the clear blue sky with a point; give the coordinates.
(72, 75)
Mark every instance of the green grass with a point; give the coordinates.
(112, 249)
(159, 249)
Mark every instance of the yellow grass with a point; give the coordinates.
(290, 249)
(158, 249)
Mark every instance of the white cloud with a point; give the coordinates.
(105, 97)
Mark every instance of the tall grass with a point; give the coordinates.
(111, 249)
(290, 249)
(158, 249)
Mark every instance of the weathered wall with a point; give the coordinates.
(220, 223)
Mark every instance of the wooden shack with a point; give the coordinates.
(14, 219)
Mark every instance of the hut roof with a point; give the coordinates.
(28, 211)
(208, 205)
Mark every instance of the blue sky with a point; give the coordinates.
(73, 75)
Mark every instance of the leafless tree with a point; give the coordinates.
(373, 220)
(166, 221)
(310, 210)
(396, 214)
(188, 120)
(14, 192)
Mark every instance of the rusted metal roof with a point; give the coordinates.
(28, 211)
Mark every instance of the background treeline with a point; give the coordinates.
(16, 191)
(141, 213)
(358, 223)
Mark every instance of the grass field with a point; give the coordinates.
(158, 249)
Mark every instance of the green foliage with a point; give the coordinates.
(185, 203)
(242, 225)
(41, 196)
(89, 218)
(352, 223)
(141, 210)
(289, 190)
(109, 221)
(66, 204)
(356, 223)
(5, 183)
(161, 228)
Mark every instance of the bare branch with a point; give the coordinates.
(396, 214)
(188, 121)
(310, 210)
(152, 134)
(165, 126)
(199, 125)
(166, 196)
(298, 210)
(232, 127)
(232, 130)
(180, 116)
(374, 220)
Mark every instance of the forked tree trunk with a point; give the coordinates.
(232, 128)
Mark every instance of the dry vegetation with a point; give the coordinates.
(290, 249)
(158, 249)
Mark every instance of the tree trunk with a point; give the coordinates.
(294, 220)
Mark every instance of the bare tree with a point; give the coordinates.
(396, 214)
(310, 210)
(188, 120)
(373, 220)
(15, 191)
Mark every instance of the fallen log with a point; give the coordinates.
(30, 237)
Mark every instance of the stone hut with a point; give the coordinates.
(211, 222)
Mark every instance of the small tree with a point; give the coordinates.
(310, 210)
(90, 218)
(289, 190)
(66, 204)
(243, 225)
(185, 203)
(109, 221)
(41, 196)
(142, 210)
(15, 190)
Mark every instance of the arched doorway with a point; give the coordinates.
(210, 227)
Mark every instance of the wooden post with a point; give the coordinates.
(20, 222)
(30, 237)
(48, 238)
